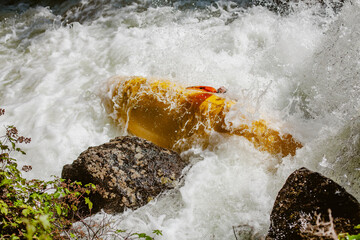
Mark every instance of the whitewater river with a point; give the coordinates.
(300, 71)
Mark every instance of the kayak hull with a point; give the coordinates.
(175, 117)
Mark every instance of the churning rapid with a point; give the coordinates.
(299, 71)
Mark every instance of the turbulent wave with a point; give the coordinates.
(297, 68)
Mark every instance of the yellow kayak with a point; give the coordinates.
(176, 117)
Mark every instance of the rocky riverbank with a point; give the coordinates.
(132, 171)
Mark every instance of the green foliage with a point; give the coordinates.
(147, 237)
(157, 232)
(33, 209)
(44, 210)
(347, 236)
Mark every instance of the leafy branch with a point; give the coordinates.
(36, 209)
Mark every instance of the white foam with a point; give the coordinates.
(285, 69)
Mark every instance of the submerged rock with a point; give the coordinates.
(57, 7)
(311, 206)
(243, 232)
(34, 3)
(285, 7)
(130, 171)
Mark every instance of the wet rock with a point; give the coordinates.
(32, 3)
(130, 171)
(88, 11)
(285, 7)
(58, 7)
(308, 204)
(243, 232)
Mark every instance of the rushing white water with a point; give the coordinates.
(300, 72)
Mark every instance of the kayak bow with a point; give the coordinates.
(175, 117)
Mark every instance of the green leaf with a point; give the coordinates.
(4, 210)
(6, 181)
(44, 220)
(14, 237)
(89, 203)
(57, 195)
(30, 229)
(354, 237)
(143, 235)
(58, 210)
(77, 183)
(4, 147)
(158, 232)
(26, 212)
(14, 224)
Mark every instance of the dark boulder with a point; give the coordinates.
(58, 7)
(301, 209)
(32, 3)
(130, 172)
